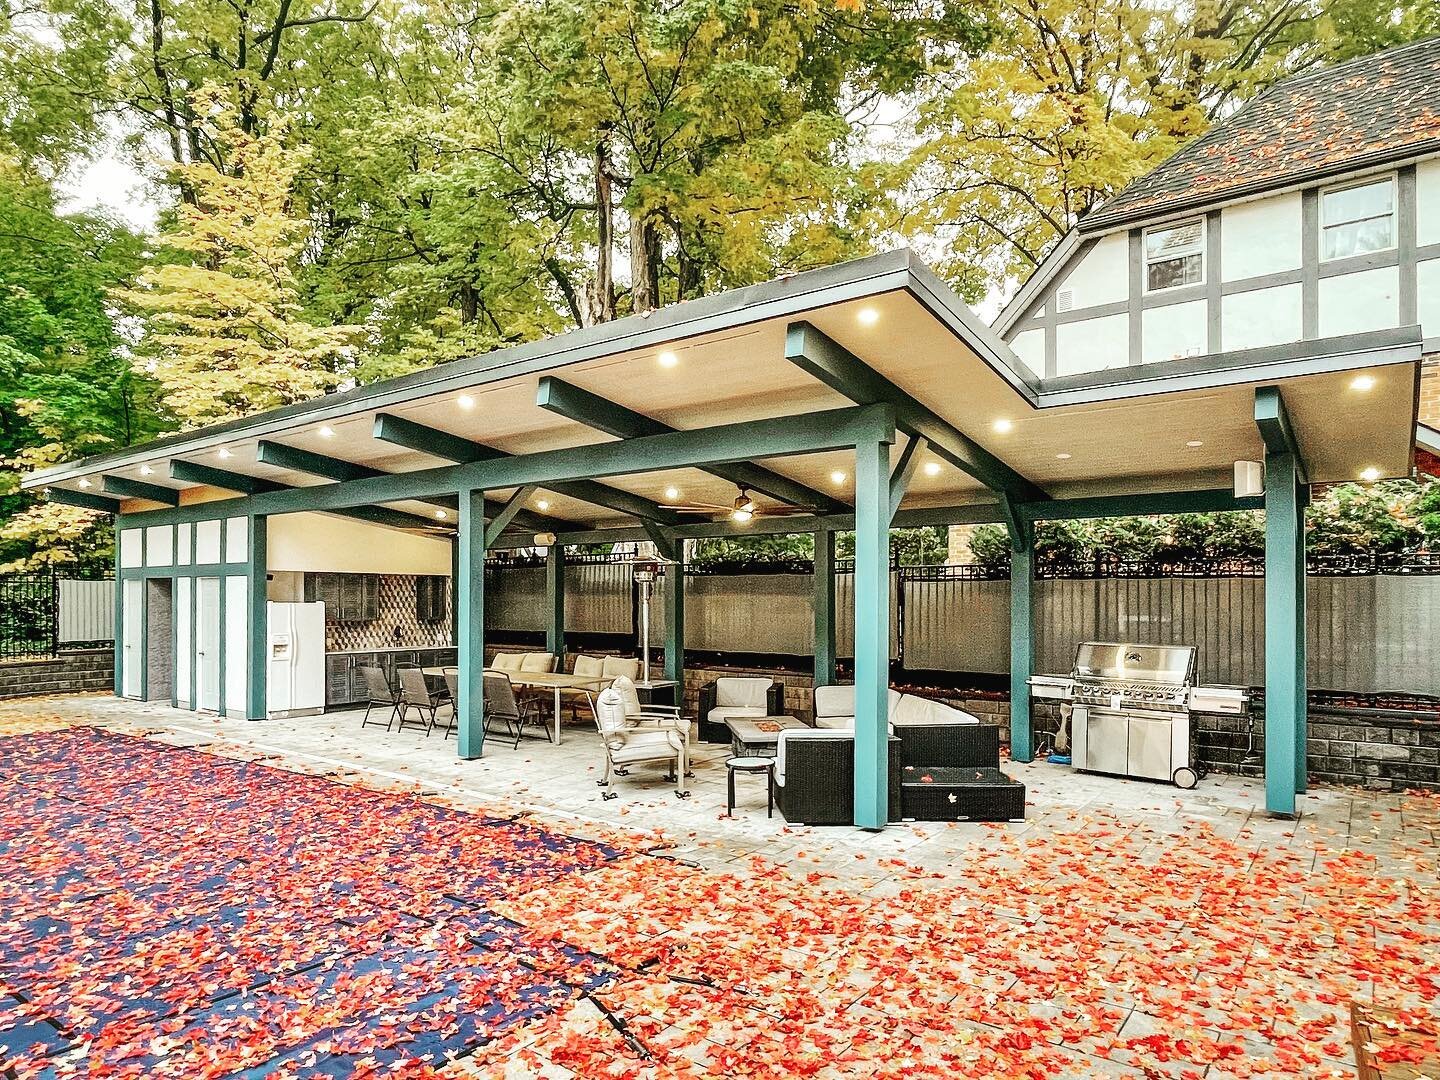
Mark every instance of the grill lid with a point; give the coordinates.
(1168, 665)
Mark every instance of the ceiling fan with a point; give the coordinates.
(742, 509)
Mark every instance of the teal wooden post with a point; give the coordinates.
(470, 645)
(1302, 622)
(256, 620)
(555, 602)
(1022, 638)
(675, 622)
(1284, 634)
(119, 620)
(823, 604)
(872, 633)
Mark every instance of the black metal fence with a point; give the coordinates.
(45, 611)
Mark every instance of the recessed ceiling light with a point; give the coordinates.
(667, 359)
(932, 468)
(868, 316)
(1363, 382)
(837, 477)
(1193, 443)
(85, 483)
(672, 493)
(440, 515)
(465, 401)
(146, 470)
(543, 504)
(1370, 473)
(223, 452)
(327, 432)
(1003, 425)
(1062, 457)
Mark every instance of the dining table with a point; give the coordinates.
(556, 681)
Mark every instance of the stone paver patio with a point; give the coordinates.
(1123, 929)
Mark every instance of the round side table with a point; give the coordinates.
(764, 765)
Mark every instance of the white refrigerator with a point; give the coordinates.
(295, 655)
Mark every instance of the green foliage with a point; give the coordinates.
(66, 387)
(1348, 519)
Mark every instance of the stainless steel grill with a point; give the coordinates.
(1128, 708)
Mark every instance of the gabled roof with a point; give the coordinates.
(1369, 111)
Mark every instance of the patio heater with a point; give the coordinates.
(647, 572)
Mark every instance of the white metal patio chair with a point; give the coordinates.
(626, 744)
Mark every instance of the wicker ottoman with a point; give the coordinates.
(966, 794)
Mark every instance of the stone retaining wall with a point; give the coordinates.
(88, 671)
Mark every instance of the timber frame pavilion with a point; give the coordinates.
(866, 394)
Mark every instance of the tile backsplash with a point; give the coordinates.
(396, 628)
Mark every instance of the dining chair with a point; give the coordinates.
(415, 694)
(378, 691)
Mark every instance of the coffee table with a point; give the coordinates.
(756, 736)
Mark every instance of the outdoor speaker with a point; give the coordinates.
(1249, 479)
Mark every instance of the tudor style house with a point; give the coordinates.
(1312, 213)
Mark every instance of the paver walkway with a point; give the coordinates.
(1123, 929)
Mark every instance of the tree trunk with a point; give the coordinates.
(644, 264)
(600, 297)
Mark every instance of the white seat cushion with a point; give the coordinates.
(507, 661)
(537, 661)
(742, 692)
(589, 665)
(834, 703)
(646, 745)
(614, 666)
(912, 711)
(725, 712)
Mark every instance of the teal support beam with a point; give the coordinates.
(872, 633)
(555, 601)
(1302, 622)
(904, 472)
(1022, 636)
(823, 605)
(1285, 679)
(844, 372)
(470, 644)
(570, 401)
(126, 488)
(442, 444)
(1203, 501)
(664, 542)
(83, 499)
(675, 622)
(256, 621)
(507, 513)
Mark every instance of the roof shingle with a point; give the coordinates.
(1370, 110)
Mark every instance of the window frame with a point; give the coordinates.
(1364, 181)
(1202, 249)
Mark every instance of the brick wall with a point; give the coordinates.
(1430, 391)
(90, 671)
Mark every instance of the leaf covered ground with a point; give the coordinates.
(165, 912)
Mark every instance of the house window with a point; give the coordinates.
(1357, 219)
(1175, 255)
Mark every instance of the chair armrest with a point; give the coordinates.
(775, 698)
(707, 698)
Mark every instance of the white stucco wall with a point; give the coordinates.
(1352, 303)
(1428, 274)
(1260, 237)
(1427, 202)
(1092, 344)
(320, 542)
(1103, 275)
(1252, 320)
(1030, 347)
(1173, 332)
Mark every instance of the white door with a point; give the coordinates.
(132, 636)
(207, 643)
(184, 643)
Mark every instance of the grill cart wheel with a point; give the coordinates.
(1185, 777)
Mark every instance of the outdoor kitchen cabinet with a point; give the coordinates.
(347, 597)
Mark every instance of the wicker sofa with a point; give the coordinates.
(737, 696)
(953, 774)
(815, 777)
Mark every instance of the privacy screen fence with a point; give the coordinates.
(45, 613)
(1374, 622)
